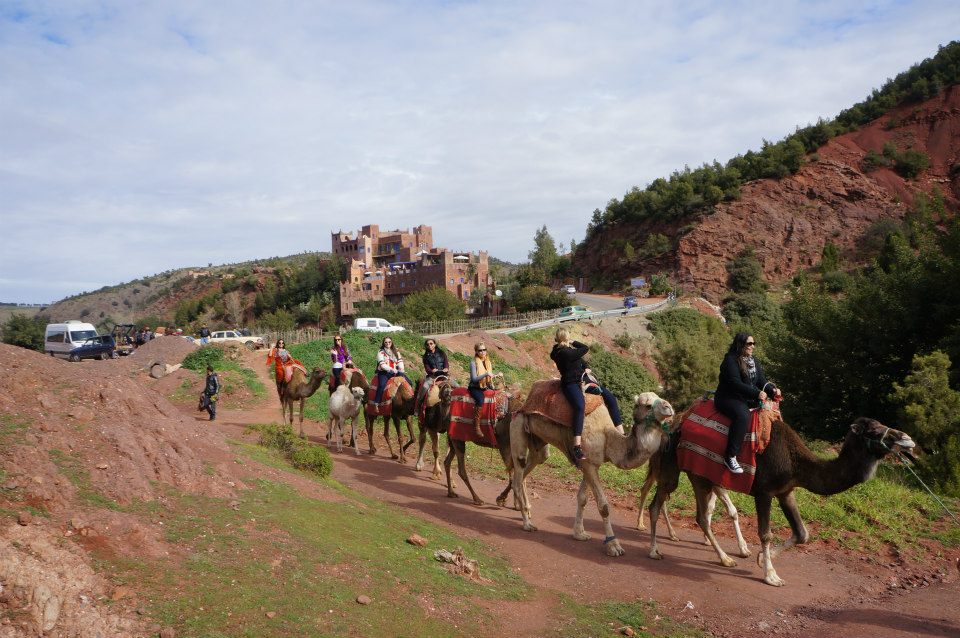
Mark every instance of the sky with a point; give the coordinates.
(138, 137)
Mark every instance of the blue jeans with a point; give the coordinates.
(382, 379)
(574, 394)
(476, 393)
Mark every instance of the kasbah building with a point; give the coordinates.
(388, 265)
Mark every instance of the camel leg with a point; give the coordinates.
(592, 475)
(410, 432)
(659, 497)
(302, 401)
(518, 450)
(370, 421)
(435, 440)
(336, 426)
(462, 471)
(642, 499)
(447, 462)
(579, 533)
(422, 443)
(711, 505)
(353, 435)
(666, 519)
(800, 535)
(703, 490)
(764, 503)
(735, 515)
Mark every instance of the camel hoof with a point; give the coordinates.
(529, 527)
(641, 526)
(394, 457)
(654, 554)
(478, 502)
(744, 552)
(674, 537)
(774, 580)
(501, 502)
(356, 451)
(581, 536)
(452, 495)
(436, 476)
(418, 467)
(726, 561)
(615, 549)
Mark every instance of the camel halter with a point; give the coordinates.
(650, 419)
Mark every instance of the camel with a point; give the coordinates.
(345, 403)
(786, 464)
(299, 389)
(601, 442)
(435, 422)
(401, 410)
(536, 454)
(355, 379)
(641, 413)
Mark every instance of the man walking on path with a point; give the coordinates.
(211, 390)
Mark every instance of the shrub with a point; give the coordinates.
(660, 285)
(623, 340)
(302, 454)
(624, 378)
(746, 273)
(199, 359)
(538, 298)
(836, 281)
(26, 332)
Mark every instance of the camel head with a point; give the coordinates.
(358, 394)
(446, 393)
(880, 439)
(649, 409)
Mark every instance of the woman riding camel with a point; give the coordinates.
(282, 364)
(740, 387)
(389, 365)
(481, 378)
(340, 357)
(569, 359)
(434, 365)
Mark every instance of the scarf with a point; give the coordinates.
(484, 366)
(750, 367)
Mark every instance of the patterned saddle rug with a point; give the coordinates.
(496, 404)
(547, 400)
(703, 439)
(346, 375)
(385, 407)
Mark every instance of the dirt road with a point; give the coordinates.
(830, 590)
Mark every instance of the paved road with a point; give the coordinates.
(599, 302)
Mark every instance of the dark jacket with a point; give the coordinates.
(212, 386)
(733, 384)
(434, 362)
(569, 360)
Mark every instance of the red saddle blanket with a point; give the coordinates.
(547, 400)
(703, 440)
(385, 407)
(345, 375)
(495, 405)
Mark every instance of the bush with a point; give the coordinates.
(432, 304)
(623, 340)
(199, 359)
(538, 298)
(26, 332)
(624, 378)
(690, 347)
(660, 285)
(836, 281)
(749, 307)
(302, 454)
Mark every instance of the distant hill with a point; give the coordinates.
(818, 187)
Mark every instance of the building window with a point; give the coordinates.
(461, 280)
(451, 281)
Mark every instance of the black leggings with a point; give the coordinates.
(739, 415)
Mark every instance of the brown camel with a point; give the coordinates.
(536, 447)
(785, 465)
(641, 413)
(401, 410)
(601, 442)
(436, 421)
(299, 389)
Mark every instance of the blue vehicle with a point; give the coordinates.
(629, 301)
(101, 347)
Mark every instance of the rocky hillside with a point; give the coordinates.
(835, 197)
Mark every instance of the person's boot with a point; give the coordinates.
(476, 423)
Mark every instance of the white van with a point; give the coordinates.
(60, 338)
(375, 324)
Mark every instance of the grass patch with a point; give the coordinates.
(275, 550)
(302, 454)
(71, 466)
(608, 618)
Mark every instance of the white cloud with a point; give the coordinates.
(148, 137)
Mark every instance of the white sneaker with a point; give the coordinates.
(733, 466)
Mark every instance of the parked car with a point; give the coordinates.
(224, 336)
(570, 289)
(629, 301)
(99, 347)
(60, 339)
(375, 324)
(572, 312)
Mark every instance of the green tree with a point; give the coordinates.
(531, 298)
(746, 273)
(829, 258)
(26, 332)
(690, 347)
(544, 253)
(432, 304)
(929, 410)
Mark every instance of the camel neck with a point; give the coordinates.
(637, 447)
(854, 465)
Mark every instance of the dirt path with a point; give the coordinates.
(829, 589)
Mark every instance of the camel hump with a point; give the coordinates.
(546, 399)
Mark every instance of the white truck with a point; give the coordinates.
(375, 324)
(224, 336)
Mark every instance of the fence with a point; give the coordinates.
(509, 324)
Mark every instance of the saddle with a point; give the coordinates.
(346, 375)
(703, 440)
(547, 400)
(385, 407)
(496, 404)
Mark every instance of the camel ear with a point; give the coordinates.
(636, 399)
(859, 426)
